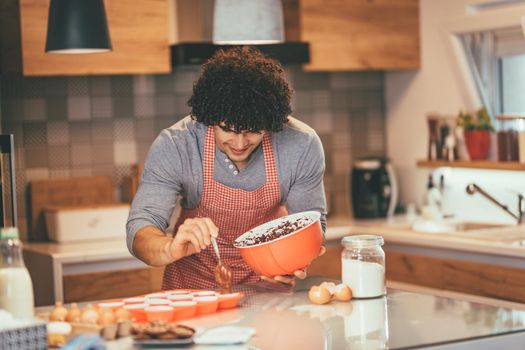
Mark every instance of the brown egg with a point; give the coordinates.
(89, 315)
(106, 317)
(342, 293)
(74, 314)
(59, 313)
(319, 295)
(330, 286)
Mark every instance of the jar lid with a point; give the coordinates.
(8, 232)
(363, 240)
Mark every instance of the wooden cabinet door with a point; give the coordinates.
(138, 31)
(329, 264)
(112, 284)
(361, 34)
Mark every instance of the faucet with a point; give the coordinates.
(519, 216)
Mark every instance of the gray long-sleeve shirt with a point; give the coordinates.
(174, 169)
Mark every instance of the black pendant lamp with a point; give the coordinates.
(77, 27)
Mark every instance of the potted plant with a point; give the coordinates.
(477, 130)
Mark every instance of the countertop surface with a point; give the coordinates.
(400, 320)
(504, 240)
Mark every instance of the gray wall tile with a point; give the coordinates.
(122, 107)
(36, 156)
(78, 86)
(101, 125)
(164, 84)
(100, 86)
(33, 87)
(13, 109)
(56, 108)
(125, 153)
(34, 109)
(102, 107)
(164, 105)
(58, 133)
(102, 130)
(144, 106)
(35, 133)
(145, 129)
(80, 131)
(122, 85)
(123, 130)
(55, 86)
(81, 154)
(59, 157)
(78, 108)
(143, 85)
(103, 154)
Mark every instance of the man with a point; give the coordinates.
(236, 162)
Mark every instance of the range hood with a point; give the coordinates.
(290, 52)
(201, 27)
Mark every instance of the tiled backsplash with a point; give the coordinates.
(101, 125)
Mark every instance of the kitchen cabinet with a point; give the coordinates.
(501, 282)
(329, 264)
(138, 31)
(88, 270)
(111, 284)
(346, 35)
(494, 281)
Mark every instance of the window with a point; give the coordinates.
(497, 62)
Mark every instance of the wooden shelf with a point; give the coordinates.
(475, 164)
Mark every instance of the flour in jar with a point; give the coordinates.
(366, 279)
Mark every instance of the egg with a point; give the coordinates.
(89, 315)
(59, 313)
(319, 295)
(342, 293)
(330, 286)
(73, 314)
(107, 317)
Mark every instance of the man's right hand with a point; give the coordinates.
(193, 236)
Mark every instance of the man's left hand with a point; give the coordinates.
(290, 279)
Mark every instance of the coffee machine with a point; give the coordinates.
(373, 188)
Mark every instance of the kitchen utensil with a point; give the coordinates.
(223, 274)
(286, 254)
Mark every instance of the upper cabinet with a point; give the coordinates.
(138, 31)
(361, 34)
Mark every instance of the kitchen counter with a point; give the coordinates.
(499, 241)
(401, 320)
(502, 241)
(67, 259)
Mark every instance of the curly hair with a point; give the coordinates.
(244, 89)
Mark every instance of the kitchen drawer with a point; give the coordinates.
(112, 284)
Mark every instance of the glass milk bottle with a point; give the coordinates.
(363, 265)
(16, 289)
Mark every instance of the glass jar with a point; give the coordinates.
(511, 138)
(363, 265)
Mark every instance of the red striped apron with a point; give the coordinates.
(234, 211)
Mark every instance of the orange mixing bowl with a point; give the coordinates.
(286, 254)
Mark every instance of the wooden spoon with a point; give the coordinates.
(223, 274)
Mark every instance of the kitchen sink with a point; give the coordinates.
(471, 226)
(454, 226)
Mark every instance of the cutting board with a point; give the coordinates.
(65, 192)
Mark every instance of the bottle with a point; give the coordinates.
(432, 196)
(16, 289)
(363, 265)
